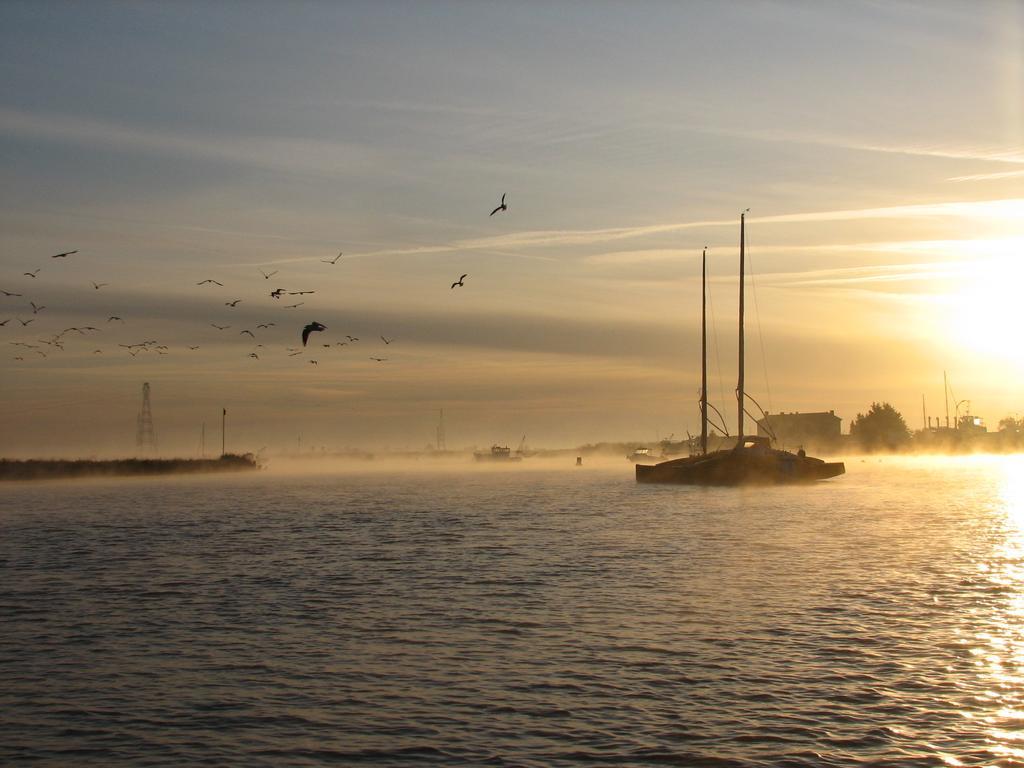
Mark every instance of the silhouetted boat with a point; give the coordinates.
(752, 460)
(640, 455)
(497, 453)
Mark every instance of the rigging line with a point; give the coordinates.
(760, 336)
(714, 337)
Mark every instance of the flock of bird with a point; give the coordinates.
(56, 341)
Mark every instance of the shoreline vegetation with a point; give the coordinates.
(52, 469)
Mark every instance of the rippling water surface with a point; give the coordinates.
(530, 617)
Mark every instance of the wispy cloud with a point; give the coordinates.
(307, 155)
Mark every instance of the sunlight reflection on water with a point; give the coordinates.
(539, 618)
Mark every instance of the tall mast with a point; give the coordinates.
(739, 386)
(704, 352)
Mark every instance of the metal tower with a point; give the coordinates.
(145, 436)
(441, 446)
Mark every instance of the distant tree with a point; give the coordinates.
(1010, 424)
(881, 428)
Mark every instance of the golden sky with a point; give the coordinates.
(880, 150)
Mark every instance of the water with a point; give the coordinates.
(528, 617)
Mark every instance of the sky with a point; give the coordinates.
(878, 146)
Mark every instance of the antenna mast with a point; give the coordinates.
(145, 436)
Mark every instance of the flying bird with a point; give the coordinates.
(34, 273)
(299, 293)
(26, 322)
(459, 281)
(114, 317)
(8, 293)
(85, 328)
(247, 331)
(97, 351)
(264, 325)
(253, 354)
(5, 322)
(232, 303)
(268, 275)
(201, 282)
(313, 362)
(63, 255)
(351, 338)
(341, 343)
(386, 340)
(293, 306)
(379, 359)
(97, 286)
(332, 261)
(501, 207)
(313, 327)
(220, 327)
(195, 347)
(36, 309)
(276, 293)
(293, 354)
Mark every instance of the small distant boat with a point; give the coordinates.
(497, 453)
(640, 454)
(752, 460)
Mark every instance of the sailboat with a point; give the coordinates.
(752, 460)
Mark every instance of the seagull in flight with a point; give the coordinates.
(195, 347)
(63, 255)
(220, 327)
(5, 322)
(313, 327)
(501, 207)
(313, 362)
(379, 359)
(232, 303)
(351, 338)
(253, 354)
(97, 286)
(26, 322)
(268, 275)
(202, 282)
(36, 310)
(247, 331)
(276, 293)
(8, 293)
(34, 273)
(386, 340)
(332, 261)
(293, 306)
(112, 318)
(264, 325)
(293, 354)
(299, 293)
(459, 281)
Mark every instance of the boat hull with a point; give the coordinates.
(740, 467)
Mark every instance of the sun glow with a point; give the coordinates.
(983, 313)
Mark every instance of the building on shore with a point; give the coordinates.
(820, 431)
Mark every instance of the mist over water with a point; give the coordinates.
(539, 615)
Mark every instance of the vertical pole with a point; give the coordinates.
(202, 441)
(739, 387)
(945, 389)
(924, 412)
(223, 423)
(704, 352)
